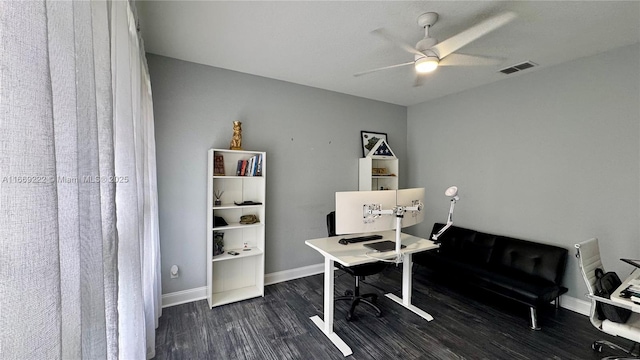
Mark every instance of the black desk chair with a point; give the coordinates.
(358, 272)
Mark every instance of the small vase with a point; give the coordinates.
(217, 202)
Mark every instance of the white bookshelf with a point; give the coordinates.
(368, 180)
(234, 278)
(379, 169)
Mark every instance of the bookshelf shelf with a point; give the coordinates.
(234, 206)
(241, 254)
(233, 226)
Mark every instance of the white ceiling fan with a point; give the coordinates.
(429, 53)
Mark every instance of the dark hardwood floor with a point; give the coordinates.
(468, 324)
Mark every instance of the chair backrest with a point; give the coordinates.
(589, 260)
(331, 224)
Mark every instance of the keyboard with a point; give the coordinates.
(358, 239)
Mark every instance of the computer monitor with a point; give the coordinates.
(352, 207)
(350, 211)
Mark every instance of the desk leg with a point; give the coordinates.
(407, 282)
(327, 325)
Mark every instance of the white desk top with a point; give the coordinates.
(354, 254)
(634, 279)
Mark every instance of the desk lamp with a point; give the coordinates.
(452, 192)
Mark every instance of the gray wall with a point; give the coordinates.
(551, 156)
(311, 137)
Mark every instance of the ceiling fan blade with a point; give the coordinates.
(458, 59)
(399, 43)
(455, 42)
(383, 68)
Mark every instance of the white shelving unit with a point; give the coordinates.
(368, 179)
(232, 278)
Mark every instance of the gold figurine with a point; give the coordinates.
(236, 140)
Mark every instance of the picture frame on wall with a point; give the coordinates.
(370, 139)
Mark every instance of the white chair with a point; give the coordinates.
(589, 260)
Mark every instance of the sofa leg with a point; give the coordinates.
(558, 303)
(534, 318)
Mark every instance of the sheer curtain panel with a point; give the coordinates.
(70, 285)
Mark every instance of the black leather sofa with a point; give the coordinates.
(525, 271)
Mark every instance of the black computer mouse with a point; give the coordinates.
(343, 241)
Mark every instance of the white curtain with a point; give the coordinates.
(139, 298)
(79, 247)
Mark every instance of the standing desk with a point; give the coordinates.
(354, 254)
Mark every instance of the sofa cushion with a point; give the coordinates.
(522, 287)
(540, 260)
(467, 245)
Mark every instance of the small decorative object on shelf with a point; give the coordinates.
(218, 194)
(236, 139)
(247, 202)
(218, 166)
(248, 219)
(219, 221)
(218, 243)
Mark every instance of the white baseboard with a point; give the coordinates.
(181, 297)
(185, 296)
(286, 275)
(576, 305)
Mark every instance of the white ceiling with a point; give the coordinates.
(323, 43)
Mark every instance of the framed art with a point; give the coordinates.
(370, 139)
(218, 243)
(218, 165)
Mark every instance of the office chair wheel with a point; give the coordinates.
(597, 347)
(349, 316)
(348, 293)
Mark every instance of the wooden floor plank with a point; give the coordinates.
(468, 324)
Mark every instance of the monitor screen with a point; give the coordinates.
(350, 217)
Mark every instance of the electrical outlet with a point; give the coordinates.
(174, 272)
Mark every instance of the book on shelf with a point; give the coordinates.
(239, 168)
(250, 163)
(243, 172)
(250, 167)
(259, 166)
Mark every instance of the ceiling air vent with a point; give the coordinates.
(518, 67)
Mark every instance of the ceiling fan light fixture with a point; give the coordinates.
(427, 64)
